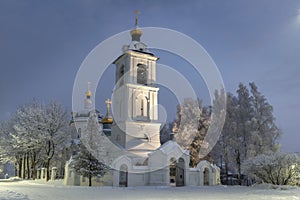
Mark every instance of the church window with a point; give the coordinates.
(142, 74)
(79, 133)
(142, 107)
(121, 77)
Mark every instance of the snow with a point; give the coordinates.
(39, 190)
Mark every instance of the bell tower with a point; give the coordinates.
(135, 109)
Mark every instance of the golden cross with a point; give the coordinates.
(137, 12)
(89, 86)
(108, 103)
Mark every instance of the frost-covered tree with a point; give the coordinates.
(192, 121)
(6, 128)
(249, 130)
(188, 116)
(27, 138)
(227, 143)
(237, 130)
(33, 135)
(244, 116)
(54, 131)
(87, 165)
(165, 132)
(88, 161)
(274, 168)
(6, 149)
(264, 133)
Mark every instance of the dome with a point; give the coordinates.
(107, 121)
(136, 34)
(88, 93)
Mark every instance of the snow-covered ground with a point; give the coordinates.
(38, 190)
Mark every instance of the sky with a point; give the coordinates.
(43, 44)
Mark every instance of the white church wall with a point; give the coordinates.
(159, 177)
(194, 177)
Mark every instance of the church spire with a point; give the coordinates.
(88, 102)
(88, 93)
(137, 12)
(136, 33)
(108, 103)
(107, 119)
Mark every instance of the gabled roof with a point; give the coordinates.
(171, 146)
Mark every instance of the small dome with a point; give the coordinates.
(88, 93)
(107, 121)
(136, 34)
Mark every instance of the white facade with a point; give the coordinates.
(135, 102)
(136, 131)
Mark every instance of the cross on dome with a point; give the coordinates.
(137, 12)
(136, 32)
(89, 93)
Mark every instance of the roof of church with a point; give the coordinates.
(145, 52)
(170, 147)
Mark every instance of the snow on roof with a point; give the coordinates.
(171, 146)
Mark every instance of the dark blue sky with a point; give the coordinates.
(43, 43)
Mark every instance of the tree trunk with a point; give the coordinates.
(19, 160)
(23, 168)
(28, 166)
(33, 165)
(50, 153)
(47, 169)
(16, 168)
(90, 180)
(238, 162)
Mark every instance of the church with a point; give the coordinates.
(130, 140)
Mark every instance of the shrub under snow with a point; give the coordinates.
(275, 168)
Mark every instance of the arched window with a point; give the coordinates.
(121, 74)
(142, 74)
(123, 176)
(79, 133)
(142, 107)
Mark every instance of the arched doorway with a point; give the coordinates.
(180, 172)
(172, 172)
(123, 176)
(206, 176)
(177, 172)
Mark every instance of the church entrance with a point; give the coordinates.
(172, 172)
(180, 172)
(177, 172)
(76, 179)
(206, 177)
(123, 176)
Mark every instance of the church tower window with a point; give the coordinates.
(142, 74)
(142, 107)
(122, 74)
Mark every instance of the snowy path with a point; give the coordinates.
(30, 190)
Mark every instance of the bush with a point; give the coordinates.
(275, 168)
